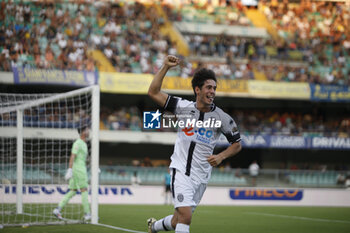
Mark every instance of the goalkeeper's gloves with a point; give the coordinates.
(69, 174)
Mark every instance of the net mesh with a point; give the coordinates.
(49, 130)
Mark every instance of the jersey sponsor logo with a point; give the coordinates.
(151, 120)
(267, 194)
(203, 134)
(187, 131)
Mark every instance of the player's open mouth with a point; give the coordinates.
(211, 98)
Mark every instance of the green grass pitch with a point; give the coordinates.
(214, 219)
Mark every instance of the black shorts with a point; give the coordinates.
(167, 188)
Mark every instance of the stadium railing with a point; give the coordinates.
(122, 175)
(230, 177)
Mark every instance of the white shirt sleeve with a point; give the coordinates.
(229, 129)
(175, 104)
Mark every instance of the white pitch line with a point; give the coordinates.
(300, 218)
(118, 228)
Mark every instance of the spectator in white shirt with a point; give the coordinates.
(254, 171)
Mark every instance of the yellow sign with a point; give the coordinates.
(283, 90)
(125, 83)
(232, 86)
(129, 83)
(177, 83)
(226, 86)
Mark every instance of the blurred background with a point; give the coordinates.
(283, 70)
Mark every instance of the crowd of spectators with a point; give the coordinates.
(318, 29)
(302, 27)
(291, 123)
(276, 71)
(123, 118)
(51, 115)
(259, 121)
(134, 43)
(313, 33)
(60, 35)
(298, 23)
(212, 12)
(45, 35)
(269, 122)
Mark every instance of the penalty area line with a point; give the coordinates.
(118, 228)
(300, 218)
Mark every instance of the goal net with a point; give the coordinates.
(37, 132)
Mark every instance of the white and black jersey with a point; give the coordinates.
(194, 144)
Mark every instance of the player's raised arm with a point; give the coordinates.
(154, 90)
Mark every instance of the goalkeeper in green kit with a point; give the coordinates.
(77, 175)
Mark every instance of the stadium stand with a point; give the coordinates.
(57, 32)
(250, 122)
(317, 31)
(231, 13)
(47, 116)
(311, 47)
(283, 70)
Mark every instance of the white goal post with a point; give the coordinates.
(36, 135)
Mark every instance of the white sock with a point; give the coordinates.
(182, 228)
(163, 224)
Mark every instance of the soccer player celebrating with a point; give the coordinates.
(192, 159)
(77, 175)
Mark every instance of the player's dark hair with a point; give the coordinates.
(81, 129)
(201, 76)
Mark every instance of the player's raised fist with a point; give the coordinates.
(171, 61)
